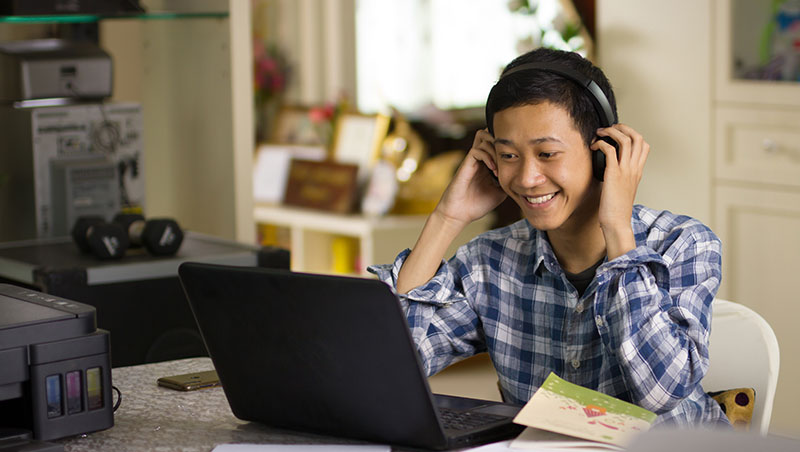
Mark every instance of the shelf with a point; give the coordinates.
(89, 18)
(379, 239)
(350, 225)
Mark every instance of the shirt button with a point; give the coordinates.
(579, 308)
(575, 363)
(599, 321)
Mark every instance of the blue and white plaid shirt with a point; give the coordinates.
(639, 332)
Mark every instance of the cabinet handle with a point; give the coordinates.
(770, 146)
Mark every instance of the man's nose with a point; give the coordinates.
(531, 173)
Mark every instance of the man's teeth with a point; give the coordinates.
(540, 199)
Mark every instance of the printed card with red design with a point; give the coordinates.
(564, 415)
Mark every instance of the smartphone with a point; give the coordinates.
(191, 382)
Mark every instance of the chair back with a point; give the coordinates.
(743, 353)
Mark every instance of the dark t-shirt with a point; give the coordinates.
(580, 281)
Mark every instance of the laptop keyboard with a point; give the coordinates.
(466, 420)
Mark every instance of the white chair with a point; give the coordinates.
(744, 353)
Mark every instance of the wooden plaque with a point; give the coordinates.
(325, 185)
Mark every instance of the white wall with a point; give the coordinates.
(657, 55)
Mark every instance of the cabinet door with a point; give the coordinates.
(760, 232)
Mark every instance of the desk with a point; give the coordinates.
(154, 418)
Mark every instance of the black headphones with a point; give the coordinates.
(596, 95)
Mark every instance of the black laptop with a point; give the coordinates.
(330, 355)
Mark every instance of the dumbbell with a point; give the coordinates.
(94, 235)
(159, 236)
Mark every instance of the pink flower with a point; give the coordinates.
(321, 114)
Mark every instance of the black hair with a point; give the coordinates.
(531, 87)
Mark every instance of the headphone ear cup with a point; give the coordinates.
(599, 159)
(598, 165)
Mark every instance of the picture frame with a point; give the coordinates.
(358, 138)
(322, 185)
(293, 126)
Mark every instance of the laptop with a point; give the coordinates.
(330, 355)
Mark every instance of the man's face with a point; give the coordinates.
(544, 165)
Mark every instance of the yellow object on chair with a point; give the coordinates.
(738, 405)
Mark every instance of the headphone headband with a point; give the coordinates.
(598, 97)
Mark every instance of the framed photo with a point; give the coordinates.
(358, 139)
(293, 126)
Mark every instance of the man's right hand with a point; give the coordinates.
(474, 191)
(471, 194)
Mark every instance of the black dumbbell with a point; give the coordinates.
(159, 236)
(94, 235)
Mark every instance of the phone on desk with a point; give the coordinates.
(191, 381)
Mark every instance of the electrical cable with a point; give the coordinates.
(119, 397)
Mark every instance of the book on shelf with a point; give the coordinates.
(564, 415)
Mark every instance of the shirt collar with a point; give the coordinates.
(546, 258)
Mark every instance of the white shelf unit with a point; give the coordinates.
(380, 238)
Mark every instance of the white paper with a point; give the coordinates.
(271, 169)
(506, 446)
(301, 448)
(537, 439)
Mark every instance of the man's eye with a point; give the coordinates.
(546, 155)
(506, 155)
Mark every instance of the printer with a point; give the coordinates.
(53, 68)
(55, 370)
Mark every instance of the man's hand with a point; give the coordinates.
(473, 192)
(622, 179)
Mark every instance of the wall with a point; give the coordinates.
(636, 41)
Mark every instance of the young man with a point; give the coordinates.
(607, 294)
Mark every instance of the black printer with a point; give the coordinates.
(55, 370)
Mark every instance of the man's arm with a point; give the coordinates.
(656, 321)
(470, 195)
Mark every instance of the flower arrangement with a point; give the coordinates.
(270, 78)
(270, 71)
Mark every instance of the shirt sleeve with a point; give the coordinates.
(653, 311)
(440, 317)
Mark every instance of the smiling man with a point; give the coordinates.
(607, 294)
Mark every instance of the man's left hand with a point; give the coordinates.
(621, 180)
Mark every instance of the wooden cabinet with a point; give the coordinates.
(313, 234)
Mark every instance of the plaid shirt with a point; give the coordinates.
(639, 332)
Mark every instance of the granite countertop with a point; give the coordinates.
(151, 417)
